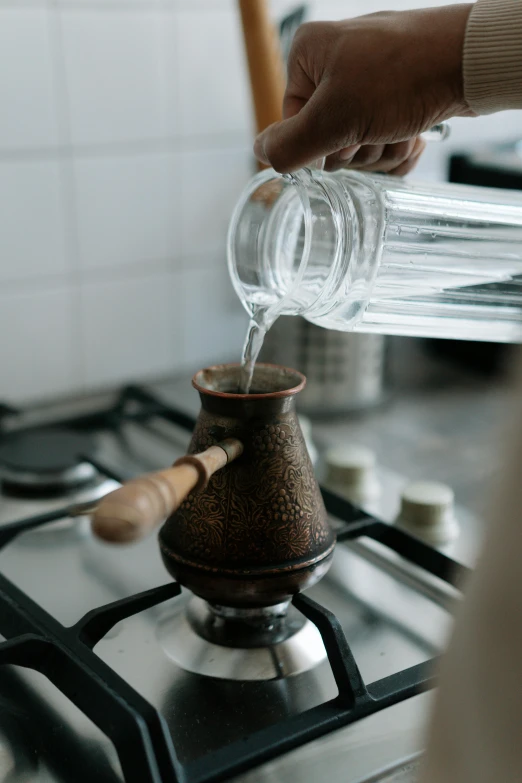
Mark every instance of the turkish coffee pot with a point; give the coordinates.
(245, 521)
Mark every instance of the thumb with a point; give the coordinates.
(299, 140)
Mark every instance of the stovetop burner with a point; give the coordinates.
(136, 708)
(45, 461)
(241, 644)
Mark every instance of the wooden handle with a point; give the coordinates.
(135, 509)
(265, 63)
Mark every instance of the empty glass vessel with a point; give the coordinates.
(350, 251)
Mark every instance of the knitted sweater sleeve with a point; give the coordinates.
(493, 56)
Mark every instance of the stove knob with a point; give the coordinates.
(351, 472)
(427, 511)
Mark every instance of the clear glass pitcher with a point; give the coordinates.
(350, 251)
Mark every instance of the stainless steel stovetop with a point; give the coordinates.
(392, 614)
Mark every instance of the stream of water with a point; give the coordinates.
(257, 328)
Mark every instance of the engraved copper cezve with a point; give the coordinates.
(258, 533)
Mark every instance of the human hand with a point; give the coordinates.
(360, 92)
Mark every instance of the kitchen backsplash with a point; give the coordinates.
(125, 140)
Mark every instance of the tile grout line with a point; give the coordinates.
(128, 6)
(178, 318)
(204, 143)
(125, 6)
(146, 268)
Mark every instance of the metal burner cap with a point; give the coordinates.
(45, 460)
(185, 637)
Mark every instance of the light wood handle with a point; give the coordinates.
(132, 511)
(265, 62)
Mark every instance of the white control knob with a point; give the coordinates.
(351, 472)
(427, 511)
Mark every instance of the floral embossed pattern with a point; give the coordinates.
(265, 509)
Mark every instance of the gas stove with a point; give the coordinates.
(102, 676)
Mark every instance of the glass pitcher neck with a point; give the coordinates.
(375, 253)
(300, 244)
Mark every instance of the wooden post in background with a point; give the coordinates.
(265, 63)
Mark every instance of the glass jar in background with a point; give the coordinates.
(345, 372)
(350, 251)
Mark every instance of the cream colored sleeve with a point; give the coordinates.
(493, 56)
(476, 729)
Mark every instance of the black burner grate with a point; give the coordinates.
(36, 640)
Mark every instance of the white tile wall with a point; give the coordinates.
(119, 166)
(213, 88)
(29, 117)
(37, 349)
(132, 328)
(128, 209)
(211, 182)
(32, 219)
(125, 139)
(215, 323)
(114, 73)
